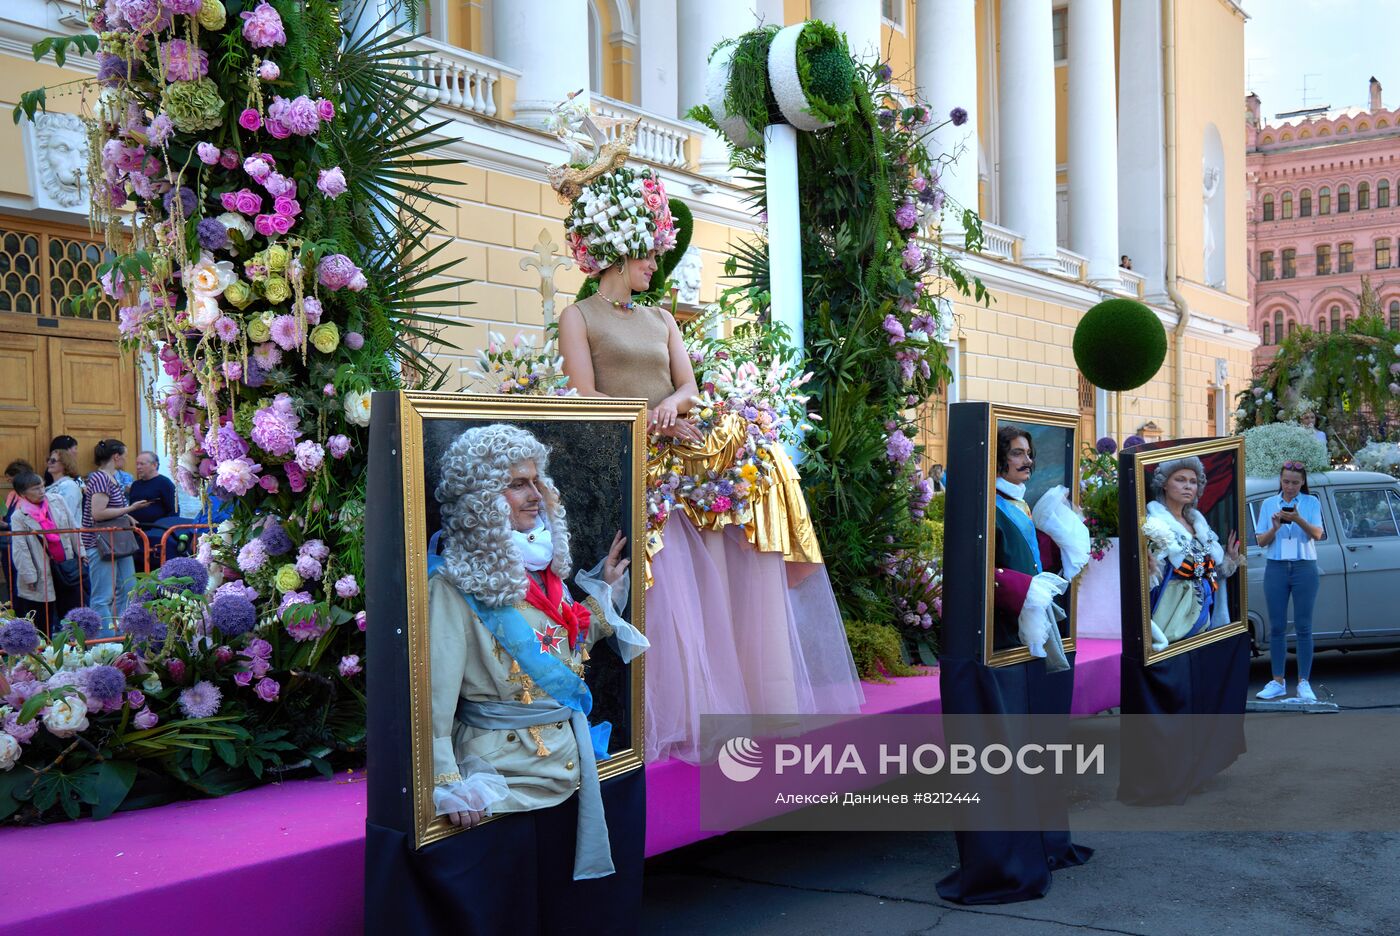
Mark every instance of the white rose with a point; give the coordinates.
(236, 222)
(9, 751)
(152, 684)
(357, 408)
(204, 311)
(66, 717)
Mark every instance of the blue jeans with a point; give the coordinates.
(111, 584)
(1299, 578)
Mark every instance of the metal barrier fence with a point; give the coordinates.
(165, 538)
(49, 613)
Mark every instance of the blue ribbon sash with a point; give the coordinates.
(1022, 523)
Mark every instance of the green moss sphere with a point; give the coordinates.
(1119, 344)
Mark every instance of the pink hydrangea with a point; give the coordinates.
(331, 182)
(310, 455)
(338, 446)
(237, 475)
(262, 27)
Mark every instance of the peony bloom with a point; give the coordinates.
(338, 446)
(262, 27)
(350, 665)
(906, 216)
(347, 587)
(66, 717)
(208, 153)
(309, 569)
(201, 700)
(331, 182)
(275, 427)
(258, 167)
(311, 308)
(268, 71)
(10, 750)
(336, 271)
(237, 475)
(297, 115)
(316, 549)
(357, 408)
(309, 455)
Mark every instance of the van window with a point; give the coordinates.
(1368, 514)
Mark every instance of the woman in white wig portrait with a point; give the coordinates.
(1188, 565)
(508, 644)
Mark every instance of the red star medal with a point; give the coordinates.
(550, 638)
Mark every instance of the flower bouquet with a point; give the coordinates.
(518, 367)
(1098, 494)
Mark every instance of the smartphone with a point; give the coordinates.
(1291, 509)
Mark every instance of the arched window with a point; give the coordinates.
(1324, 200)
(1322, 324)
(1324, 259)
(1268, 207)
(1278, 325)
(1363, 196)
(596, 51)
(1383, 193)
(1343, 199)
(1336, 313)
(1268, 333)
(1394, 315)
(1305, 203)
(1287, 205)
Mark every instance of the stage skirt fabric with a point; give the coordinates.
(736, 631)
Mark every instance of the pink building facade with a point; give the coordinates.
(1323, 211)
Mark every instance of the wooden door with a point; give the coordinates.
(24, 398)
(1088, 413)
(92, 395)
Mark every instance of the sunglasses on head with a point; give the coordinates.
(1293, 466)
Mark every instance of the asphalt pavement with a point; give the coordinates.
(1148, 883)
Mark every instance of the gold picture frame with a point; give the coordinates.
(1236, 587)
(424, 414)
(1029, 419)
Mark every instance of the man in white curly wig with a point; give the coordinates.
(507, 646)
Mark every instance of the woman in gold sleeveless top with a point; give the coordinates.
(740, 616)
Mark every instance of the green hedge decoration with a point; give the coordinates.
(1119, 345)
(665, 264)
(827, 72)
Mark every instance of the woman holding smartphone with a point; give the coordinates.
(1289, 526)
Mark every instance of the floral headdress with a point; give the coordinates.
(616, 212)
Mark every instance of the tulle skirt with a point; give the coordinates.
(735, 631)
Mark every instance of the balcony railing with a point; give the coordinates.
(1070, 264)
(460, 80)
(659, 139)
(1000, 242)
(1130, 283)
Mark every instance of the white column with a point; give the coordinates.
(945, 67)
(548, 41)
(1093, 140)
(858, 19)
(1027, 122)
(1142, 215)
(656, 63)
(700, 25)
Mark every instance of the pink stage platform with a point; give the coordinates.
(204, 866)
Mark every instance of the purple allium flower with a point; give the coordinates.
(347, 587)
(354, 340)
(232, 615)
(106, 683)
(111, 69)
(201, 700)
(350, 665)
(1133, 440)
(274, 539)
(145, 719)
(141, 623)
(252, 557)
(1106, 446)
(188, 201)
(212, 234)
(958, 116)
(899, 447)
(19, 637)
(262, 27)
(267, 689)
(186, 567)
(331, 182)
(86, 619)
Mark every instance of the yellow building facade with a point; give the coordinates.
(1069, 102)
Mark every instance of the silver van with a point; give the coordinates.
(1358, 559)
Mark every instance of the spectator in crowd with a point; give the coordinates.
(1126, 262)
(1308, 420)
(64, 481)
(13, 470)
(104, 499)
(152, 486)
(38, 586)
(64, 443)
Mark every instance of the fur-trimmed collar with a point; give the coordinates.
(1180, 539)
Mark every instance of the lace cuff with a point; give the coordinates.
(1040, 615)
(1055, 516)
(475, 788)
(630, 641)
(1159, 639)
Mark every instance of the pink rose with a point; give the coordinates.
(281, 224)
(243, 678)
(286, 205)
(248, 202)
(250, 119)
(264, 226)
(267, 689)
(653, 201)
(325, 110)
(145, 719)
(296, 478)
(229, 201)
(278, 131)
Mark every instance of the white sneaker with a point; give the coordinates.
(1274, 689)
(1305, 693)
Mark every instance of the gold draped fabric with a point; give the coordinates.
(776, 518)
